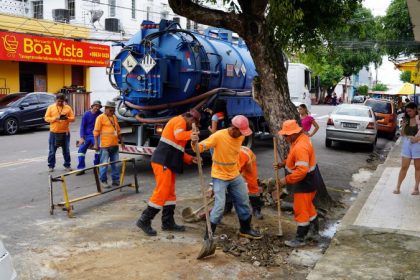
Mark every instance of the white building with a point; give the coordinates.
(107, 20)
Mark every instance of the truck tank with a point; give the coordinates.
(165, 70)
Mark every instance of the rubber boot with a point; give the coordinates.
(256, 204)
(246, 230)
(213, 230)
(145, 220)
(313, 233)
(228, 205)
(299, 241)
(168, 221)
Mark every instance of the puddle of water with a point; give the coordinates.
(330, 231)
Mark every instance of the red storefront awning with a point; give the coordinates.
(30, 48)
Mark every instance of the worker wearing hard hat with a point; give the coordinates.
(248, 169)
(303, 176)
(167, 160)
(226, 176)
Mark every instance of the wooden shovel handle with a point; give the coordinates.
(276, 161)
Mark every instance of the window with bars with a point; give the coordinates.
(38, 8)
(71, 6)
(133, 9)
(112, 4)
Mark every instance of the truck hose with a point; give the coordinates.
(175, 104)
(164, 119)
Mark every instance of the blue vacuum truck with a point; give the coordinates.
(164, 71)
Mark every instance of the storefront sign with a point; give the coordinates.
(23, 47)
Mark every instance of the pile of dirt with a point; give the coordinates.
(267, 252)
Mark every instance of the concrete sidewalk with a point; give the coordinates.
(379, 237)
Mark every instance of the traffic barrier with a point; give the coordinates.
(67, 203)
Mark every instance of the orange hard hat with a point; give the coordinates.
(290, 127)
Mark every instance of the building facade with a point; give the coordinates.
(53, 45)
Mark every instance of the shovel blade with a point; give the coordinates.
(208, 249)
(187, 212)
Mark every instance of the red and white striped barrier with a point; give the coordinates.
(128, 149)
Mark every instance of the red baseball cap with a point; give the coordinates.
(241, 122)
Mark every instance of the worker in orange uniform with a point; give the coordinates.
(303, 176)
(59, 116)
(167, 160)
(226, 176)
(249, 171)
(107, 132)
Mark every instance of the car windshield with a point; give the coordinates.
(379, 107)
(351, 111)
(11, 99)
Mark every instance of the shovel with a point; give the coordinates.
(209, 247)
(190, 216)
(276, 161)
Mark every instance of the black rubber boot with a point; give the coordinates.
(256, 204)
(168, 221)
(246, 230)
(299, 241)
(213, 230)
(313, 233)
(228, 205)
(145, 220)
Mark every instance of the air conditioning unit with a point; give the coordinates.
(112, 24)
(61, 15)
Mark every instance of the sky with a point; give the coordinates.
(387, 73)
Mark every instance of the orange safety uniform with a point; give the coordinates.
(168, 159)
(108, 129)
(248, 169)
(303, 176)
(59, 126)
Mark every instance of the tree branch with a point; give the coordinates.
(207, 16)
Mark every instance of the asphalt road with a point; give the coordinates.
(24, 200)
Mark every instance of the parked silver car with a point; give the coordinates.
(7, 272)
(352, 123)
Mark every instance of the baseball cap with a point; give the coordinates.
(241, 122)
(290, 127)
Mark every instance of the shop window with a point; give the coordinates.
(32, 76)
(71, 6)
(112, 7)
(77, 76)
(38, 8)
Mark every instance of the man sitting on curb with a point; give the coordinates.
(86, 135)
(303, 175)
(225, 174)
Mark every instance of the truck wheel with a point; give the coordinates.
(11, 126)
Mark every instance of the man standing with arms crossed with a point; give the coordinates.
(59, 116)
(303, 176)
(167, 160)
(86, 135)
(108, 131)
(226, 176)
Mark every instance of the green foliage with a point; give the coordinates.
(405, 76)
(397, 27)
(347, 47)
(379, 87)
(306, 23)
(363, 90)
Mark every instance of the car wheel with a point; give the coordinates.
(11, 126)
(372, 146)
(328, 143)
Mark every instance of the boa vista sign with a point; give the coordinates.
(23, 47)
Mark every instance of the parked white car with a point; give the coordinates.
(352, 123)
(7, 272)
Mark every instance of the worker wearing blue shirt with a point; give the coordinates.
(86, 134)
